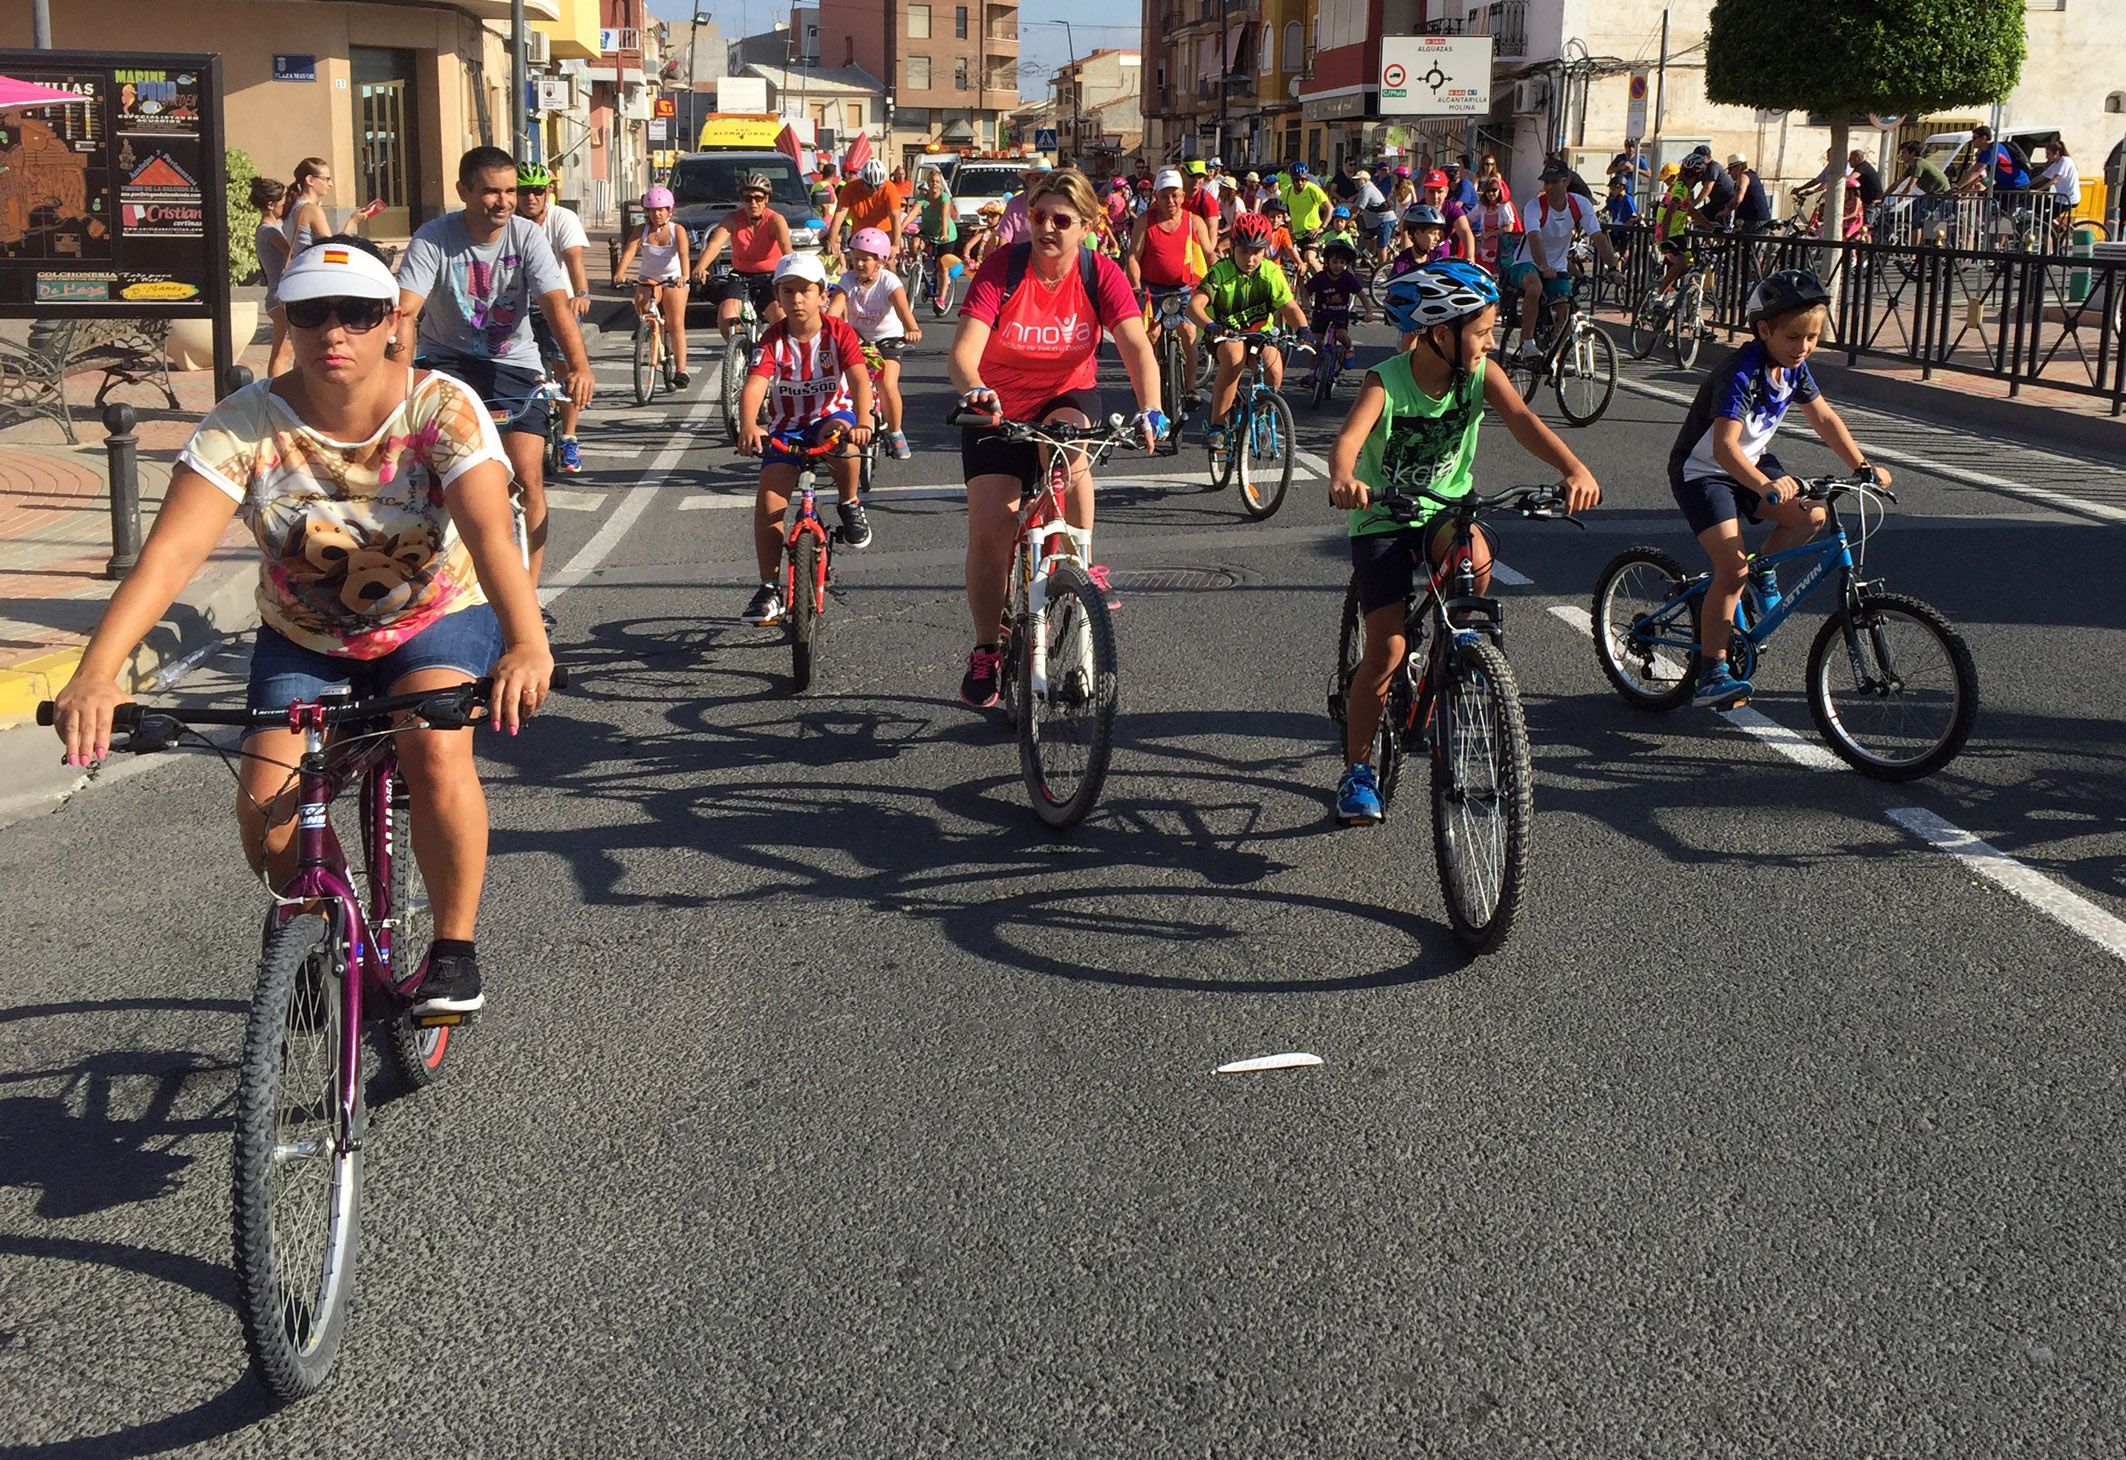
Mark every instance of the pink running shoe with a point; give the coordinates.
(1098, 574)
(978, 691)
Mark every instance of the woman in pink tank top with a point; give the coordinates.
(1028, 351)
(759, 237)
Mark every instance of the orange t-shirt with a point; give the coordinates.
(872, 207)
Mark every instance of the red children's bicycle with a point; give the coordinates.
(808, 545)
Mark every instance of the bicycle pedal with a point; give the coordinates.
(440, 1021)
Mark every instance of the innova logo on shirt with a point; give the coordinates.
(1057, 334)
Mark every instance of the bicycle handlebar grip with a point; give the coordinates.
(44, 713)
(560, 679)
(972, 420)
(125, 718)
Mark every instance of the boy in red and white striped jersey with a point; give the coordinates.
(809, 373)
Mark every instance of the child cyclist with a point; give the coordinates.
(659, 254)
(1242, 293)
(1415, 425)
(1721, 471)
(809, 371)
(1336, 293)
(871, 297)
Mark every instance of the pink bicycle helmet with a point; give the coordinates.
(872, 241)
(657, 197)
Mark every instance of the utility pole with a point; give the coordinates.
(1224, 20)
(519, 80)
(41, 24)
(1661, 76)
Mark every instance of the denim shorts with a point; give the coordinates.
(282, 671)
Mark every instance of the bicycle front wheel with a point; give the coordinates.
(805, 595)
(1483, 803)
(1067, 724)
(947, 287)
(1646, 324)
(1265, 456)
(296, 1185)
(1645, 628)
(1170, 381)
(1350, 648)
(734, 378)
(645, 362)
(1892, 687)
(1587, 376)
(1683, 326)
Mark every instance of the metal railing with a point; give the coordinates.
(624, 38)
(1506, 22)
(2025, 316)
(1442, 26)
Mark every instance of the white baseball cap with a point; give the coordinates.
(337, 271)
(1217, 162)
(801, 266)
(1169, 177)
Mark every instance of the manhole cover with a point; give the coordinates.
(1173, 580)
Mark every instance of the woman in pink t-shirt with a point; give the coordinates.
(1030, 353)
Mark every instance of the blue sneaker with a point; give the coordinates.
(571, 455)
(1766, 582)
(1358, 798)
(1720, 690)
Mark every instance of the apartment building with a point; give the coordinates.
(1222, 78)
(950, 69)
(1085, 92)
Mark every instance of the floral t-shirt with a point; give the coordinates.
(359, 552)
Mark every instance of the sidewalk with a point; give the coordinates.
(55, 529)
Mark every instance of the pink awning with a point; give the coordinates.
(15, 93)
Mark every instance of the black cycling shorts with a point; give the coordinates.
(760, 286)
(890, 349)
(1710, 501)
(984, 452)
(1387, 567)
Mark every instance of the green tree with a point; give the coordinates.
(1848, 58)
(243, 218)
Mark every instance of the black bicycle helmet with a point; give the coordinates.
(1783, 292)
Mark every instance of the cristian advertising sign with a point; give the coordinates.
(1435, 76)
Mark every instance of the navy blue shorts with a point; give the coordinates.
(493, 382)
(282, 671)
(1710, 501)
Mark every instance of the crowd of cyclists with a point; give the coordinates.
(382, 473)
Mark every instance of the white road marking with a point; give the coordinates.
(1511, 577)
(1575, 615)
(2058, 903)
(1312, 462)
(633, 504)
(560, 499)
(1931, 466)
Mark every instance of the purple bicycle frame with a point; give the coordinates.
(321, 877)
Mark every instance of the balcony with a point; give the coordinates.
(1442, 27)
(618, 40)
(1003, 30)
(1506, 22)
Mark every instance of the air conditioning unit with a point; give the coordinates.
(1530, 95)
(538, 50)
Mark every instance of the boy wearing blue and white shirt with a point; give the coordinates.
(1722, 471)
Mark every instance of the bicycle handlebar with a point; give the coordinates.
(443, 708)
(1544, 501)
(1117, 432)
(1831, 488)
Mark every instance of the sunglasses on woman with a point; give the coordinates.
(356, 316)
(1061, 222)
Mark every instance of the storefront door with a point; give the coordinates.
(387, 148)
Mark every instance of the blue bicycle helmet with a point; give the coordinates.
(1441, 292)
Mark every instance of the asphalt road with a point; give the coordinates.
(828, 1105)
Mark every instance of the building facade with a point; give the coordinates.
(1085, 92)
(950, 69)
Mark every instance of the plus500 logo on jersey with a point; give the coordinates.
(1059, 334)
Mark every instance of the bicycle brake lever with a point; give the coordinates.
(153, 733)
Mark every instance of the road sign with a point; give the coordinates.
(1885, 124)
(1635, 112)
(1435, 76)
(294, 68)
(1044, 139)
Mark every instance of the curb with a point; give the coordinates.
(221, 601)
(1937, 402)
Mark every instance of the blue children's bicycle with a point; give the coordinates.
(1897, 703)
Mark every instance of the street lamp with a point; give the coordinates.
(1070, 42)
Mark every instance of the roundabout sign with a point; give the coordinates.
(1435, 76)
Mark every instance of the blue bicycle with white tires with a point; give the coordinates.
(1891, 684)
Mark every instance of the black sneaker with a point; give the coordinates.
(766, 607)
(448, 986)
(978, 690)
(681, 380)
(856, 527)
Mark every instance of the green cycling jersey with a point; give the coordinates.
(1245, 300)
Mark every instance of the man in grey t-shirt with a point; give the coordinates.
(468, 285)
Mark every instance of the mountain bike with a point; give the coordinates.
(1578, 362)
(935, 284)
(1259, 434)
(1680, 316)
(737, 352)
(1167, 323)
(1455, 700)
(808, 547)
(1331, 357)
(1058, 643)
(330, 961)
(653, 361)
(1891, 684)
(505, 409)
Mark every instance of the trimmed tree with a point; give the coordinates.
(1845, 58)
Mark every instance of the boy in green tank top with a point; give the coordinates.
(1414, 425)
